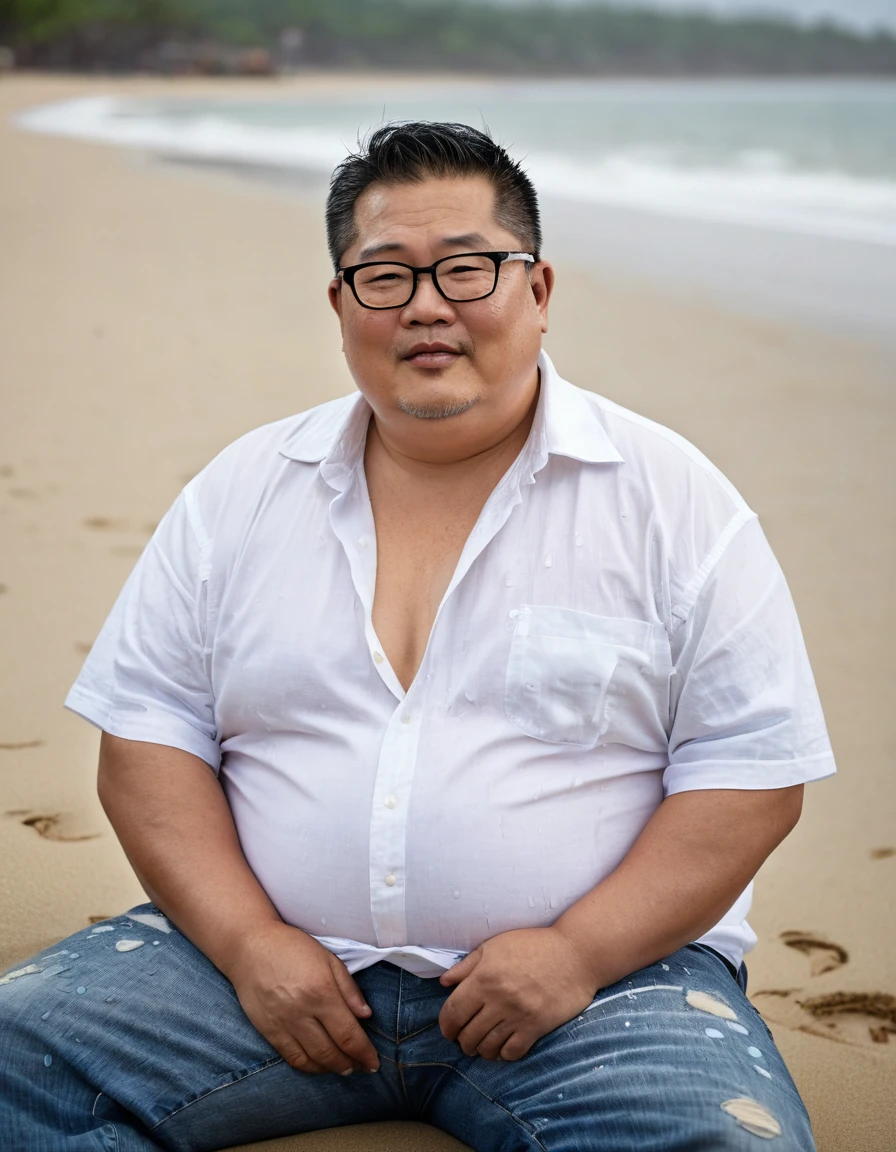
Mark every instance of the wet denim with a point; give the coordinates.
(126, 1051)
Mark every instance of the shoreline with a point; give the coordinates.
(833, 273)
(151, 314)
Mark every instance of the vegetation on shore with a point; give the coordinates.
(534, 37)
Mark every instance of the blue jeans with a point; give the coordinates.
(126, 1051)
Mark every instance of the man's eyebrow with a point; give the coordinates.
(470, 240)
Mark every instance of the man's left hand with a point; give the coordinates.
(512, 990)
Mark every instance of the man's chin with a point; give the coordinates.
(436, 409)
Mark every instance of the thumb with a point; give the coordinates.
(351, 993)
(462, 969)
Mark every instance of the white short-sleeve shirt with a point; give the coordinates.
(617, 629)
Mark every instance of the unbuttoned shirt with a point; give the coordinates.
(616, 630)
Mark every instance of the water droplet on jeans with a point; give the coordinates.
(81, 990)
(128, 945)
(45, 1016)
(755, 1053)
(713, 1033)
(48, 1060)
(74, 955)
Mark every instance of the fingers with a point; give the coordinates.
(476, 1030)
(489, 1047)
(462, 969)
(344, 1034)
(351, 993)
(294, 1054)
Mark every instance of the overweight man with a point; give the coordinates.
(445, 726)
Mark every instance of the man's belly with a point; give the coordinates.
(483, 852)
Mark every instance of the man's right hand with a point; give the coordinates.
(301, 998)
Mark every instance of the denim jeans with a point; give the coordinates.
(147, 1047)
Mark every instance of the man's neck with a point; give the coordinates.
(472, 459)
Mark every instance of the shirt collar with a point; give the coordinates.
(567, 423)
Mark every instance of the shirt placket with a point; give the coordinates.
(351, 518)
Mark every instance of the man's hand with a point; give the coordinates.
(512, 990)
(301, 998)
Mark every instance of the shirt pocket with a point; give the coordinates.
(584, 680)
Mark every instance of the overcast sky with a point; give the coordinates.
(855, 13)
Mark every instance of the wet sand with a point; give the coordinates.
(149, 314)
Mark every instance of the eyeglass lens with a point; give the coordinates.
(460, 278)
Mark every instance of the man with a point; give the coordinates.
(447, 725)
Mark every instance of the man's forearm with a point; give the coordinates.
(175, 825)
(694, 857)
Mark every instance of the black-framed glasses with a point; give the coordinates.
(381, 284)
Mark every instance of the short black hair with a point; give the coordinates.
(406, 152)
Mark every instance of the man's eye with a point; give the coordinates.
(384, 278)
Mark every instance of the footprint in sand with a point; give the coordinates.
(882, 853)
(857, 1018)
(18, 745)
(105, 524)
(7, 470)
(4, 588)
(61, 826)
(824, 955)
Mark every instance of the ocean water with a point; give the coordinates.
(774, 163)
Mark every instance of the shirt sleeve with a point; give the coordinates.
(745, 711)
(146, 677)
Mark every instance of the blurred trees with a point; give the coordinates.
(535, 37)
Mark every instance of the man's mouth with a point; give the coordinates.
(432, 355)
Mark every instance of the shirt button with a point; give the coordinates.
(363, 541)
(378, 657)
(391, 800)
(407, 718)
(390, 880)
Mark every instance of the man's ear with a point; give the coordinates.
(541, 281)
(334, 293)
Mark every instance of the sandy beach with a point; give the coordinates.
(151, 313)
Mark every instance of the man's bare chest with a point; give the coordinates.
(418, 546)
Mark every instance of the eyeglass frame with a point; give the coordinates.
(498, 258)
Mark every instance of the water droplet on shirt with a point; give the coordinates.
(549, 560)
(580, 541)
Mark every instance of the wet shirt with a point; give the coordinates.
(617, 630)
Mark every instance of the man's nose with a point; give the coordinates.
(428, 305)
